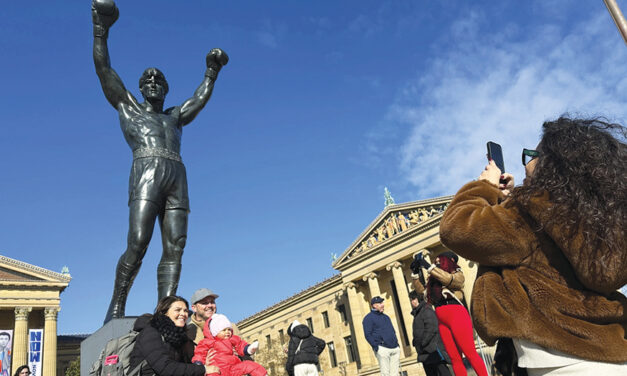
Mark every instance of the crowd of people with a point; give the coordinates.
(551, 254)
(171, 342)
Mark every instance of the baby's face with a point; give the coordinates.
(225, 333)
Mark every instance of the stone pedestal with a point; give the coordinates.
(93, 345)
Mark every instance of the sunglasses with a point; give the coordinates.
(528, 155)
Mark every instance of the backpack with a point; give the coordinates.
(114, 360)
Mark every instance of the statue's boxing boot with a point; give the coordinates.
(124, 276)
(168, 274)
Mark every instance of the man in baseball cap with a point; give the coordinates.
(203, 307)
(380, 334)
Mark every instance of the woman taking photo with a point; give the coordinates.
(162, 347)
(443, 291)
(552, 253)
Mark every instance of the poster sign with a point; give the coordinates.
(6, 340)
(35, 347)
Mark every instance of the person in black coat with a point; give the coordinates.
(426, 338)
(302, 351)
(163, 342)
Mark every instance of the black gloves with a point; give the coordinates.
(419, 262)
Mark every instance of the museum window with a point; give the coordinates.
(350, 349)
(342, 309)
(310, 324)
(325, 319)
(281, 336)
(332, 357)
(268, 341)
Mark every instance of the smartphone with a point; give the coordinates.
(496, 154)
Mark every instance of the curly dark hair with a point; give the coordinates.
(583, 166)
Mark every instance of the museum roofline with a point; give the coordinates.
(292, 298)
(60, 277)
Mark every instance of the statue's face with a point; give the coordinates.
(153, 88)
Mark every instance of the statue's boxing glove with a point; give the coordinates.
(104, 13)
(216, 59)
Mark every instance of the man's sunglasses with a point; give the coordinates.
(528, 155)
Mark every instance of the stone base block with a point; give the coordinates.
(93, 345)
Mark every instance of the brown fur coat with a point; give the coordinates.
(530, 284)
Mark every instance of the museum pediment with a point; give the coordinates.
(16, 272)
(393, 224)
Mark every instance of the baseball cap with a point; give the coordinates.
(376, 299)
(202, 293)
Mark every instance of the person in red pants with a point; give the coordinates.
(443, 285)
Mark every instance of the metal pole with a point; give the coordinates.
(618, 17)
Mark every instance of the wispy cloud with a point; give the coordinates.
(485, 87)
(271, 34)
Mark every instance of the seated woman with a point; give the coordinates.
(163, 343)
(443, 291)
(552, 253)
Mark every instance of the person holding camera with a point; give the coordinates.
(443, 291)
(552, 252)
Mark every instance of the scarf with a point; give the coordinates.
(172, 334)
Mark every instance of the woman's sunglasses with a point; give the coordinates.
(528, 155)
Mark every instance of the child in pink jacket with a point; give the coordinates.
(219, 337)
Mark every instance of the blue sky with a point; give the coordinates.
(322, 105)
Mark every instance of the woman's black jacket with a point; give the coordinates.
(426, 337)
(164, 358)
(310, 347)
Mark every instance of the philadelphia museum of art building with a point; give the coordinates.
(29, 306)
(376, 263)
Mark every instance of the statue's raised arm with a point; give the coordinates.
(216, 59)
(104, 14)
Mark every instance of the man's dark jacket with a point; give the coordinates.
(379, 331)
(426, 336)
(310, 347)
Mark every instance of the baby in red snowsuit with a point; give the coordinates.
(219, 337)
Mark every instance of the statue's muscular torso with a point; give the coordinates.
(146, 129)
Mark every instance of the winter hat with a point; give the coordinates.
(218, 323)
(291, 327)
(450, 255)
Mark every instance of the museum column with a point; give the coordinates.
(366, 355)
(20, 336)
(403, 296)
(373, 284)
(50, 341)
